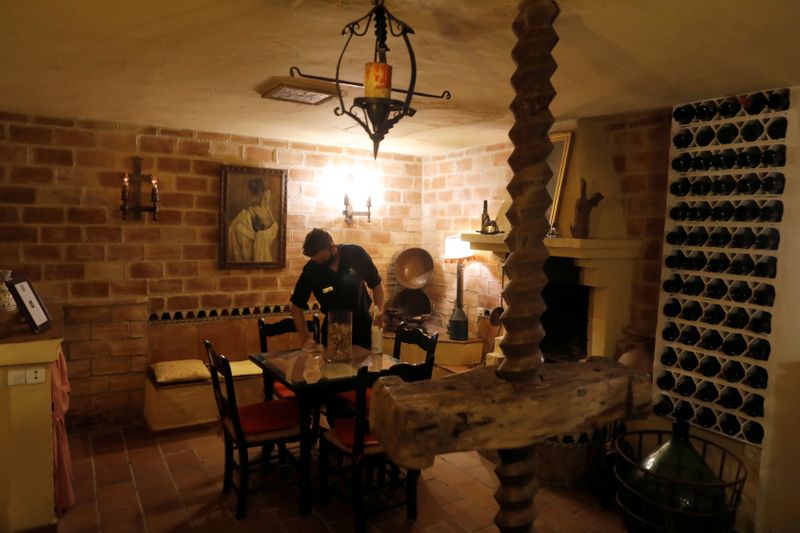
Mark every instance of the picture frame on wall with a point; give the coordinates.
(557, 160)
(252, 217)
(28, 301)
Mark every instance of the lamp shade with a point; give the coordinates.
(455, 248)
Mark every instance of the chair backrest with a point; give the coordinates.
(417, 337)
(286, 325)
(226, 402)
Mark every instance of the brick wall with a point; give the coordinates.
(60, 225)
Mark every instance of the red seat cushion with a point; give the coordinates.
(350, 397)
(264, 417)
(282, 391)
(345, 429)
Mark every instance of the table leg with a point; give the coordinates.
(306, 443)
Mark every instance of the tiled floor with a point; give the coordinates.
(129, 479)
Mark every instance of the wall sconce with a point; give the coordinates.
(349, 213)
(132, 193)
(458, 251)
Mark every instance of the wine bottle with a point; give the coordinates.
(746, 211)
(754, 103)
(743, 238)
(705, 110)
(714, 314)
(774, 156)
(683, 410)
(695, 260)
(688, 361)
(685, 386)
(753, 432)
(757, 377)
(680, 187)
(672, 285)
(706, 417)
(663, 406)
(716, 289)
(748, 184)
(759, 349)
(691, 311)
(778, 100)
(680, 211)
(740, 291)
(771, 212)
(711, 340)
(730, 398)
(773, 183)
(766, 267)
(697, 237)
(733, 371)
(668, 356)
(724, 160)
(703, 136)
(760, 322)
(776, 128)
(684, 114)
(683, 139)
(709, 367)
(703, 161)
(764, 295)
(706, 392)
(741, 265)
(752, 130)
(677, 236)
(734, 345)
(729, 107)
(768, 239)
(724, 185)
(720, 237)
(672, 308)
(727, 133)
(701, 186)
(665, 381)
(670, 332)
(718, 263)
(737, 318)
(754, 405)
(722, 211)
(682, 163)
(729, 424)
(689, 336)
(675, 260)
(748, 158)
(693, 286)
(699, 211)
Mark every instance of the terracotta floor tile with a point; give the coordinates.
(570, 501)
(84, 491)
(169, 521)
(477, 493)
(469, 515)
(463, 459)
(79, 447)
(146, 456)
(449, 474)
(561, 520)
(483, 473)
(400, 525)
(182, 460)
(172, 443)
(116, 496)
(305, 524)
(123, 518)
(603, 520)
(335, 509)
(80, 518)
(145, 478)
(111, 441)
(491, 529)
(262, 523)
(436, 491)
(112, 473)
(82, 469)
(187, 480)
(159, 498)
(446, 527)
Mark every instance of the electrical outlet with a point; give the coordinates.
(16, 377)
(481, 312)
(36, 374)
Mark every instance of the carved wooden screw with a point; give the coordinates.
(583, 207)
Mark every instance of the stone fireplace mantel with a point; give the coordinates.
(606, 267)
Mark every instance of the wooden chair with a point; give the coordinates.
(350, 438)
(263, 424)
(266, 330)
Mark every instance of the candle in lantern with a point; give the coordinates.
(154, 192)
(125, 186)
(377, 80)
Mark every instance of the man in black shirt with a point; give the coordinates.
(338, 275)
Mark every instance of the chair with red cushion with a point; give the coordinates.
(266, 330)
(350, 438)
(263, 424)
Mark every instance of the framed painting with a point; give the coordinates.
(30, 304)
(252, 221)
(558, 164)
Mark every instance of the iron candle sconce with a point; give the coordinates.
(132, 193)
(349, 213)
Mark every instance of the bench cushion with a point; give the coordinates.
(180, 371)
(244, 368)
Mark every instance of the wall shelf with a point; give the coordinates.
(561, 246)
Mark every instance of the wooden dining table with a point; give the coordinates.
(313, 379)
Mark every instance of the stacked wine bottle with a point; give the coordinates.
(721, 262)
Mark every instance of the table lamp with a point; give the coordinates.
(457, 251)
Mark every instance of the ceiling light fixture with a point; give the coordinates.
(377, 112)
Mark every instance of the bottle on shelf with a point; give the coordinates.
(693, 286)
(675, 260)
(730, 398)
(703, 136)
(680, 211)
(751, 130)
(681, 187)
(757, 377)
(727, 133)
(740, 291)
(711, 340)
(701, 186)
(778, 100)
(729, 107)
(720, 237)
(703, 161)
(737, 318)
(683, 139)
(706, 392)
(733, 345)
(689, 336)
(665, 381)
(760, 322)
(771, 211)
(776, 128)
(716, 289)
(743, 238)
(733, 371)
(759, 349)
(668, 356)
(773, 183)
(687, 361)
(741, 265)
(677, 236)
(705, 417)
(768, 239)
(724, 160)
(764, 295)
(709, 367)
(748, 158)
(697, 237)
(691, 311)
(672, 285)
(746, 211)
(670, 332)
(722, 211)
(766, 267)
(684, 114)
(685, 386)
(755, 103)
(683, 411)
(682, 163)
(718, 263)
(774, 156)
(754, 405)
(695, 260)
(672, 308)
(705, 110)
(729, 424)
(663, 406)
(724, 185)
(699, 211)
(714, 314)
(753, 432)
(748, 184)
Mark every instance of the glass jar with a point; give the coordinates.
(340, 336)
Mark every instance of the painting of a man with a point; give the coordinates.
(251, 235)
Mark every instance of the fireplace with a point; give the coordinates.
(566, 320)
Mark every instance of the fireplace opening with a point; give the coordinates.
(566, 320)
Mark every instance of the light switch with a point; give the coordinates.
(16, 377)
(36, 374)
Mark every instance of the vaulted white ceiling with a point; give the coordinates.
(199, 63)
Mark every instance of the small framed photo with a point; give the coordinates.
(252, 218)
(31, 305)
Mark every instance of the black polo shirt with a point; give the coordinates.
(344, 289)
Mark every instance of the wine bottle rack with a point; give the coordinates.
(721, 269)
